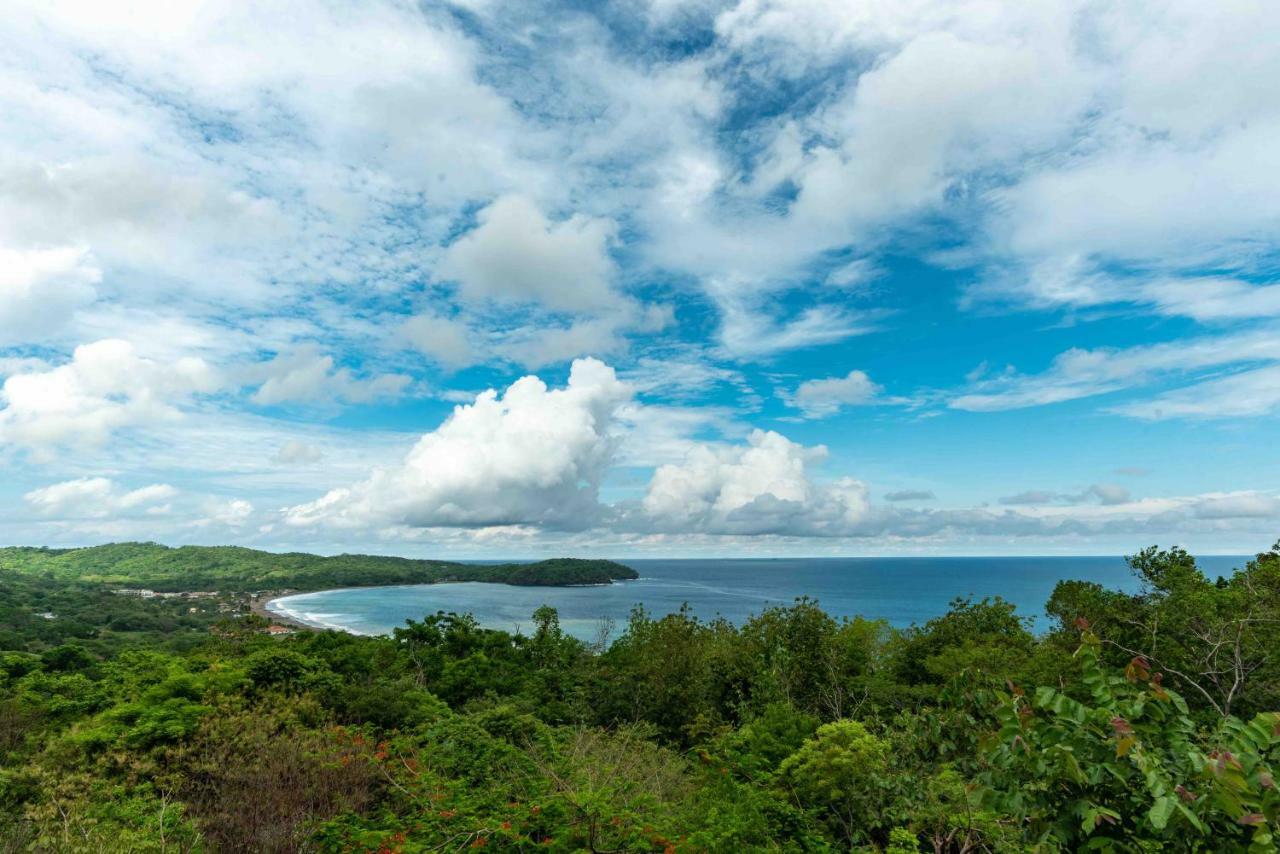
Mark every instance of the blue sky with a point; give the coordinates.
(678, 277)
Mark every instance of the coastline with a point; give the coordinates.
(258, 606)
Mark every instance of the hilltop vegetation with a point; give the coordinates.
(1140, 722)
(233, 568)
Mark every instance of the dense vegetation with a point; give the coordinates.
(1142, 722)
(231, 568)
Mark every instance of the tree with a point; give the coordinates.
(842, 774)
(1217, 640)
(1129, 770)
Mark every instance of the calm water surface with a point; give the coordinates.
(900, 590)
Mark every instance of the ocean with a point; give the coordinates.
(901, 591)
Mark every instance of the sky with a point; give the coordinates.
(667, 278)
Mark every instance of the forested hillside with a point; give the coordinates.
(232, 568)
(1140, 722)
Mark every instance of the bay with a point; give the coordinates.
(900, 590)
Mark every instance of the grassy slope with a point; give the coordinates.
(234, 568)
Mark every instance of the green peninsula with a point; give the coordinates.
(235, 569)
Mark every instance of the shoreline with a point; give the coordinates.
(258, 606)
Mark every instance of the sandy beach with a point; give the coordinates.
(258, 606)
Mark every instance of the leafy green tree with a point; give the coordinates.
(842, 775)
(1216, 641)
(756, 748)
(973, 639)
(661, 672)
(1129, 770)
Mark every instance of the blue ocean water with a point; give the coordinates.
(900, 590)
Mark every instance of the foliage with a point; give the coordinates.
(1128, 769)
(158, 567)
(1214, 640)
(174, 724)
(842, 773)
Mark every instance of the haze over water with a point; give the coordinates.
(901, 591)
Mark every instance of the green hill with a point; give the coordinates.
(232, 568)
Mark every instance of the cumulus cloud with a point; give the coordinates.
(40, 288)
(98, 498)
(762, 487)
(532, 459)
(820, 398)
(516, 254)
(106, 386)
(201, 185)
(530, 455)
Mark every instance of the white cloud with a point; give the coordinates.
(1059, 135)
(97, 498)
(854, 275)
(1072, 280)
(515, 254)
(820, 398)
(447, 341)
(1109, 494)
(1081, 373)
(294, 452)
(308, 376)
(762, 487)
(1130, 513)
(1247, 394)
(106, 386)
(747, 331)
(139, 214)
(1030, 497)
(549, 345)
(531, 455)
(936, 109)
(40, 288)
(192, 179)
(1213, 298)
(233, 513)
(1237, 505)
(686, 375)
(1171, 203)
(215, 169)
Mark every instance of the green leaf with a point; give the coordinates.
(1161, 810)
(1191, 817)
